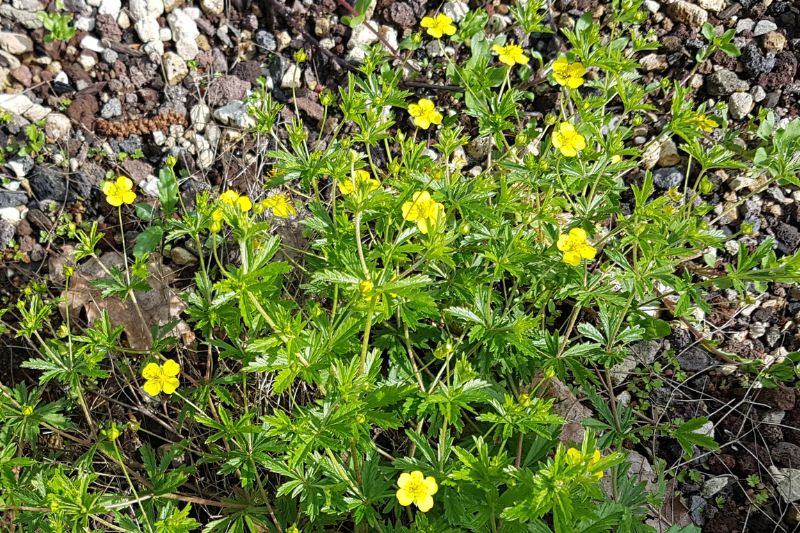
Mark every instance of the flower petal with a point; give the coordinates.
(574, 456)
(128, 197)
(425, 504)
(404, 497)
(431, 486)
(578, 234)
(169, 385)
(171, 368)
(572, 258)
(124, 183)
(151, 371)
(403, 480)
(563, 243)
(587, 251)
(152, 387)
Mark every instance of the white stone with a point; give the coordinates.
(233, 114)
(205, 159)
(147, 29)
(185, 32)
(164, 35)
(455, 9)
(110, 7)
(712, 5)
(123, 20)
(389, 35)
(175, 68)
(84, 23)
(15, 43)
(87, 62)
(12, 215)
(363, 36)
(740, 105)
(57, 127)
(200, 116)
(763, 27)
(16, 104)
(291, 78)
(27, 19)
(141, 9)
(154, 50)
(283, 39)
(92, 43)
(149, 185)
(9, 61)
(214, 7)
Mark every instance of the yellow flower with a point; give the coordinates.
(27, 410)
(119, 192)
(417, 489)
(216, 220)
(160, 378)
(574, 456)
(510, 54)
(365, 287)
(280, 205)
(423, 210)
(567, 139)
(438, 26)
(360, 178)
(575, 247)
(703, 123)
(424, 113)
(568, 74)
(112, 433)
(233, 198)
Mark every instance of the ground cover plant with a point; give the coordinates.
(377, 337)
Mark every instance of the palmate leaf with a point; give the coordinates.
(687, 436)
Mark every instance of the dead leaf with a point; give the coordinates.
(157, 306)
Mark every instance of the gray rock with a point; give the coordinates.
(12, 198)
(645, 352)
(724, 82)
(763, 27)
(27, 19)
(15, 43)
(110, 56)
(131, 144)
(92, 43)
(713, 485)
(693, 359)
(697, 506)
(182, 256)
(668, 155)
(665, 178)
(213, 7)
(788, 483)
(47, 186)
(740, 105)
(200, 116)
(147, 29)
(478, 149)
(7, 231)
(786, 454)
(712, 5)
(20, 104)
(112, 108)
(226, 89)
(266, 41)
(291, 78)
(235, 115)
(110, 7)
(20, 166)
(185, 32)
(57, 127)
(744, 25)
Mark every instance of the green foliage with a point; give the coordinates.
(57, 26)
(381, 311)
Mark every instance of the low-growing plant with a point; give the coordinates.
(57, 26)
(390, 364)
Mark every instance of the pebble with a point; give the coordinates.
(758, 93)
(175, 68)
(478, 149)
(283, 39)
(20, 166)
(456, 10)
(142, 9)
(291, 78)
(92, 43)
(763, 27)
(182, 256)
(147, 29)
(87, 62)
(688, 13)
(20, 104)
(665, 178)
(744, 25)
(57, 127)
(15, 43)
(213, 7)
(774, 42)
(654, 62)
(11, 215)
(266, 40)
(185, 32)
(788, 480)
(668, 155)
(714, 485)
(740, 105)
(25, 18)
(724, 82)
(112, 108)
(234, 114)
(712, 5)
(110, 7)
(84, 23)
(110, 56)
(200, 116)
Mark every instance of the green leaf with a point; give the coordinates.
(167, 190)
(148, 240)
